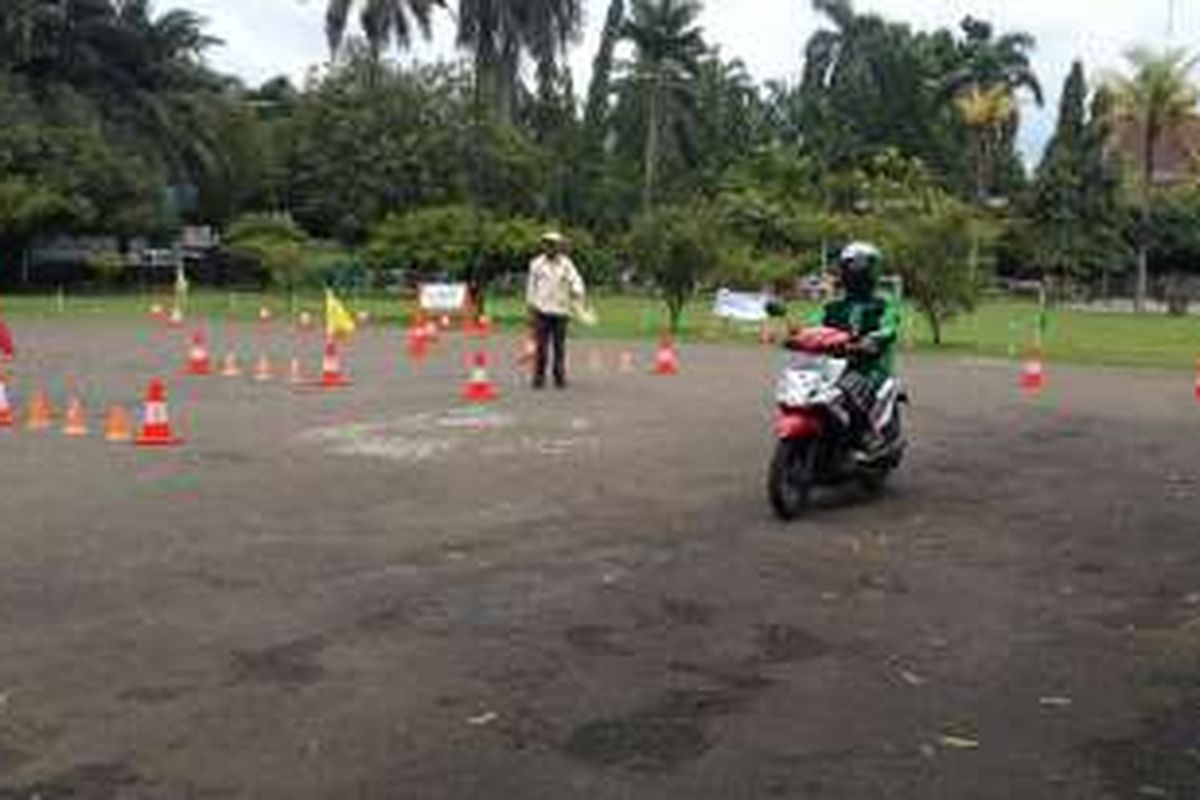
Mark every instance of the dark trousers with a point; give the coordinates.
(550, 331)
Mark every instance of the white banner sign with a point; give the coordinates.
(443, 297)
(740, 306)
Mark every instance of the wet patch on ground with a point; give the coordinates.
(1161, 760)
(594, 640)
(99, 781)
(292, 664)
(787, 644)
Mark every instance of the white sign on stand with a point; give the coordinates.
(443, 297)
(740, 306)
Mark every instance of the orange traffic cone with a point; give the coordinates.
(262, 369)
(117, 427)
(666, 361)
(156, 427)
(6, 412)
(230, 368)
(528, 354)
(1033, 372)
(157, 311)
(306, 320)
(627, 365)
(75, 423)
(295, 377)
(198, 362)
(479, 387)
(332, 376)
(1196, 385)
(264, 314)
(418, 342)
(40, 415)
(176, 318)
(363, 317)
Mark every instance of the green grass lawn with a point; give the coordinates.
(998, 329)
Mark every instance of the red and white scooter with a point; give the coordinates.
(817, 444)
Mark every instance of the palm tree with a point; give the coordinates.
(1156, 97)
(499, 32)
(382, 21)
(984, 89)
(596, 113)
(986, 113)
(668, 51)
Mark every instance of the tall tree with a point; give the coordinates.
(991, 71)
(383, 21)
(1157, 95)
(668, 49)
(499, 32)
(595, 116)
(870, 84)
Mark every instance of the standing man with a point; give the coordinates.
(554, 288)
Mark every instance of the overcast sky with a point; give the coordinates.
(264, 38)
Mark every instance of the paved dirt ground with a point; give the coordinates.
(380, 594)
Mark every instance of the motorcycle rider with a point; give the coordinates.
(874, 321)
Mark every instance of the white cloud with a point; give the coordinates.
(268, 37)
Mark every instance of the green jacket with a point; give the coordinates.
(877, 318)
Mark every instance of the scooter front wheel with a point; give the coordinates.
(789, 480)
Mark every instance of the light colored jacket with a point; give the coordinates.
(555, 286)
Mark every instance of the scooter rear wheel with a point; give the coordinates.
(789, 480)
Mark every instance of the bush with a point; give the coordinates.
(680, 247)
(457, 243)
(274, 242)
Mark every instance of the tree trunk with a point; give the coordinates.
(1143, 277)
(935, 326)
(654, 125)
(597, 103)
(1143, 268)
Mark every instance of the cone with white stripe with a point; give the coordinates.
(332, 376)
(198, 361)
(156, 424)
(479, 387)
(1033, 372)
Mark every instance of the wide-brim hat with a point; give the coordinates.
(553, 237)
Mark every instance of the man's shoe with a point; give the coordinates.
(539, 384)
(560, 383)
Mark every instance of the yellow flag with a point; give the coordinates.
(338, 321)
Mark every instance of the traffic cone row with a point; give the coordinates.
(117, 428)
